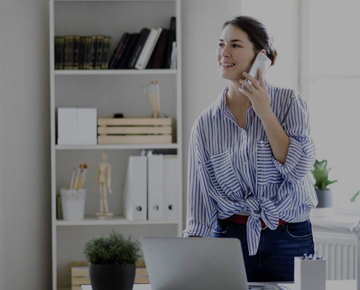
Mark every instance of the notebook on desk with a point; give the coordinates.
(195, 263)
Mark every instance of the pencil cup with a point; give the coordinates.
(73, 204)
(309, 274)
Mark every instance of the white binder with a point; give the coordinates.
(171, 187)
(155, 187)
(135, 189)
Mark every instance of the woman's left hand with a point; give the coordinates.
(257, 94)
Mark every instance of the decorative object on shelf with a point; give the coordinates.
(134, 131)
(324, 194)
(77, 126)
(118, 115)
(103, 180)
(152, 92)
(112, 261)
(356, 230)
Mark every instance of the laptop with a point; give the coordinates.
(195, 264)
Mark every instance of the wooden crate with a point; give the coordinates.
(80, 274)
(134, 131)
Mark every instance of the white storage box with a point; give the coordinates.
(77, 126)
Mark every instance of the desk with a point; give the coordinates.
(330, 285)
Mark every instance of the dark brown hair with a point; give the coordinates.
(257, 34)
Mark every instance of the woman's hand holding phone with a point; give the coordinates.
(257, 93)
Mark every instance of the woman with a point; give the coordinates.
(250, 155)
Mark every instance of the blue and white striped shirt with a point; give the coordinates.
(232, 170)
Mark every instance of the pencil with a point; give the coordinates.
(77, 176)
(82, 179)
(153, 96)
(72, 178)
(157, 95)
(148, 94)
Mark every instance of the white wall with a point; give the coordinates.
(201, 28)
(24, 146)
(25, 231)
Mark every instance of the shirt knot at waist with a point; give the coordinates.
(260, 209)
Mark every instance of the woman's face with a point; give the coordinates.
(235, 53)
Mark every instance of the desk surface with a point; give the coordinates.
(330, 285)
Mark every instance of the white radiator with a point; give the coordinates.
(339, 250)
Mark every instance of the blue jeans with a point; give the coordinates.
(274, 260)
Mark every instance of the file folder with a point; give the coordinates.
(135, 189)
(163, 187)
(171, 187)
(155, 187)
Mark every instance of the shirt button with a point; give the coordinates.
(245, 163)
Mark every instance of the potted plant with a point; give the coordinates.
(112, 261)
(324, 194)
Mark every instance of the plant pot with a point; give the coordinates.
(324, 198)
(325, 204)
(112, 277)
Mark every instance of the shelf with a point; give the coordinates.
(93, 221)
(115, 72)
(116, 147)
(114, 0)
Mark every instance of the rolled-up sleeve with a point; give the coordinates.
(301, 153)
(199, 204)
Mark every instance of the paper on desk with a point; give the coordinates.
(286, 286)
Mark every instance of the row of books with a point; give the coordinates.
(148, 49)
(82, 52)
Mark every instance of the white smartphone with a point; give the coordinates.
(261, 61)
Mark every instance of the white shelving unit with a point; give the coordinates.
(110, 91)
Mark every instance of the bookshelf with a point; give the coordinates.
(110, 91)
(114, 72)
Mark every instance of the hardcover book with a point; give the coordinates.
(99, 48)
(148, 48)
(118, 52)
(125, 59)
(82, 52)
(157, 59)
(171, 39)
(104, 60)
(144, 33)
(76, 52)
(90, 52)
(69, 52)
(59, 52)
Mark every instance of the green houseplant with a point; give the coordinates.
(112, 261)
(324, 194)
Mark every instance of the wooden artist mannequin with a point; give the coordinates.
(103, 180)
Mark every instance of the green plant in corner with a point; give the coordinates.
(320, 173)
(355, 196)
(114, 249)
